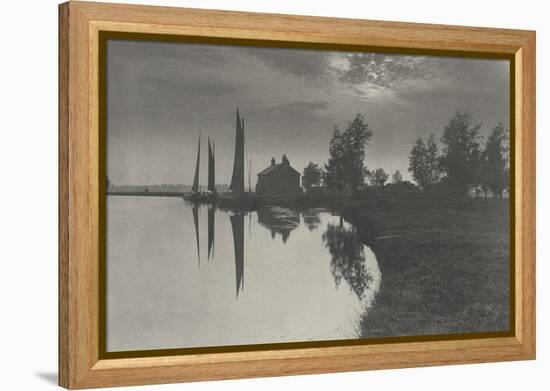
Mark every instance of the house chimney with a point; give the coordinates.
(285, 160)
(272, 161)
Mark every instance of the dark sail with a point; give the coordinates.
(211, 167)
(196, 222)
(195, 188)
(237, 225)
(237, 179)
(211, 222)
(249, 174)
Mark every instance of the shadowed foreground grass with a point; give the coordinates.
(445, 269)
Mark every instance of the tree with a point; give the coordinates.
(424, 162)
(356, 137)
(495, 161)
(312, 176)
(461, 158)
(346, 164)
(397, 178)
(378, 177)
(483, 175)
(334, 169)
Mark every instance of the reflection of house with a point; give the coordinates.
(311, 219)
(279, 220)
(279, 180)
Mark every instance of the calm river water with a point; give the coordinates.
(180, 276)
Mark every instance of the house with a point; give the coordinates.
(279, 180)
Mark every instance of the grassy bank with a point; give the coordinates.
(445, 267)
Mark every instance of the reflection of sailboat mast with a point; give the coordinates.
(211, 217)
(196, 222)
(237, 226)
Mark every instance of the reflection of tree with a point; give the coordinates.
(348, 257)
(279, 220)
(311, 219)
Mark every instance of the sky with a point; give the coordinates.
(160, 95)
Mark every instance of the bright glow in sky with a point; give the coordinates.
(161, 94)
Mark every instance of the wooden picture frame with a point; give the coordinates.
(81, 160)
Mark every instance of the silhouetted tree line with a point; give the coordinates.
(345, 169)
(465, 161)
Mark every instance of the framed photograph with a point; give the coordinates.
(248, 195)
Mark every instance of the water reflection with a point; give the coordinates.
(279, 220)
(195, 210)
(211, 229)
(312, 218)
(348, 257)
(313, 284)
(237, 226)
(348, 261)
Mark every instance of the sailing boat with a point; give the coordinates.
(211, 194)
(211, 167)
(249, 174)
(195, 188)
(195, 194)
(237, 179)
(238, 198)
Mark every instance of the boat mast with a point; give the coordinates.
(249, 173)
(237, 179)
(195, 187)
(211, 167)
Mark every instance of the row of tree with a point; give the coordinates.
(346, 168)
(465, 161)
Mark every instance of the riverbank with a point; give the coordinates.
(445, 269)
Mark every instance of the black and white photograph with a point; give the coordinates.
(275, 195)
(267, 195)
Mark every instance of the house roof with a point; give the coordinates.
(272, 168)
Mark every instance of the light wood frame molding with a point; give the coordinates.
(80, 23)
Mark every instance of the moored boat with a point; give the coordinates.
(209, 196)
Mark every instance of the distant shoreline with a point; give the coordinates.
(148, 193)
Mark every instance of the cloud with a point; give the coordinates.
(168, 53)
(302, 107)
(160, 94)
(385, 70)
(195, 88)
(313, 65)
(293, 112)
